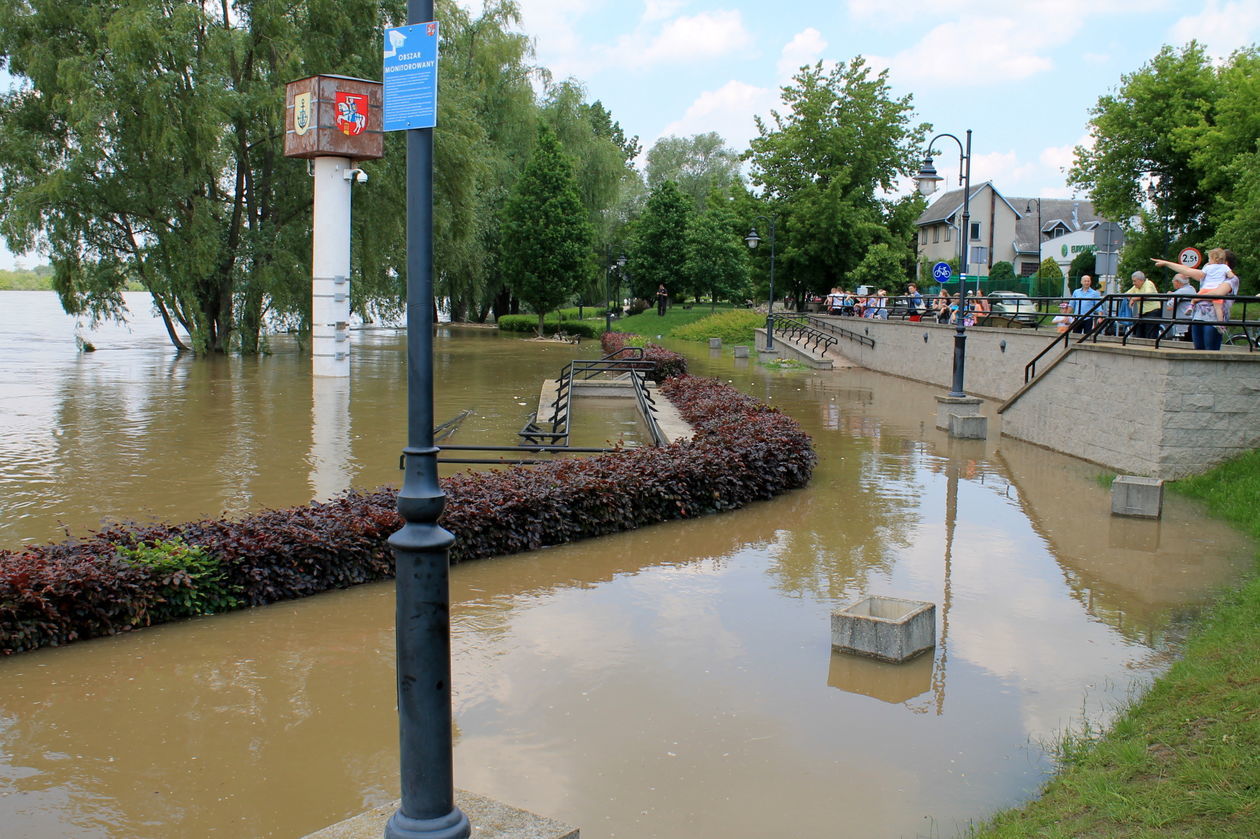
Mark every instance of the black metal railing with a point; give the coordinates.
(809, 327)
(1119, 317)
(626, 362)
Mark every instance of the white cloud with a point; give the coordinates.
(1223, 27)
(1061, 158)
(703, 36)
(1007, 54)
(804, 49)
(728, 111)
(654, 10)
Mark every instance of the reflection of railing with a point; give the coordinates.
(817, 331)
(1119, 315)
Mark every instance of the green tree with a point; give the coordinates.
(546, 232)
(883, 266)
(717, 258)
(1001, 275)
(660, 243)
(827, 162)
(1174, 148)
(1083, 263)
(698, 164)
(1049, 278)
(143, 144)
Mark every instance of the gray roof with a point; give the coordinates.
(950, 204)
(1067, 215)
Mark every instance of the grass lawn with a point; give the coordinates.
(648, 323)
(1184, 760)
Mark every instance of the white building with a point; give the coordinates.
(1021, 231)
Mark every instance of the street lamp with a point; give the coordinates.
(753, 240)
(422, 611)
(608, 295)
(927, 180)
(1028, 208)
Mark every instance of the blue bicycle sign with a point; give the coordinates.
(941, 272)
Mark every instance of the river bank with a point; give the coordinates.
(1183, 760)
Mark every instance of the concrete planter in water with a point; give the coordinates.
(886, 628)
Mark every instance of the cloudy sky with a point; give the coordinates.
(1022, 74)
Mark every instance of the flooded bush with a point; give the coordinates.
(132, 575)
(668, 363)
(192, 581)
(552, 325)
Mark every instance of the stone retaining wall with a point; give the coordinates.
(1162, 413)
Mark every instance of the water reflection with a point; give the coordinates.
(663, 682)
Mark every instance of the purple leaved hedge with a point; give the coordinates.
(742, 451)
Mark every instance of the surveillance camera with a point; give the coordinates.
(357, 175)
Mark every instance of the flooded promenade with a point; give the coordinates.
(675, 681)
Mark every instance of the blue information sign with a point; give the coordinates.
(411, 58)
(941, 272)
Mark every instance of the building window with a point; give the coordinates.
(1027, 269)
(949, 233)
(975, 230)
(936, 234)
(923, 236)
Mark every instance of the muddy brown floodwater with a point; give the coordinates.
(675, 681)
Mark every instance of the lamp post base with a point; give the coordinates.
(454, 825)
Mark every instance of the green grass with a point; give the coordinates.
(1184, 760)
(651, 324)
(734, 326)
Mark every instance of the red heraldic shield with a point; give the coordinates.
(352, 113)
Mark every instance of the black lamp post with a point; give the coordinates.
(753, 240)
(608, 289)
(422, 589)
(927, 180)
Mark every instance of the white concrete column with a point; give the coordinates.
(330, 268)
(329, 457)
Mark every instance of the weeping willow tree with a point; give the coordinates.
(143, 144)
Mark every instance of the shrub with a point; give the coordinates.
(192, 582)
(668, 363)
(733, 327)
(134, 575)
(529, 323)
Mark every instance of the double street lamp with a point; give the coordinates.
(927, 179)
(753, 240)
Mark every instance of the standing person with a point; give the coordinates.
(1180, 308)
(1084, 304)
(1148, 309)
(662, 298)
(1207, 314)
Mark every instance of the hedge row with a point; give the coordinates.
(742, 451)
(529, 323)
(668, 363)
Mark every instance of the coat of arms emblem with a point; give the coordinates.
(352, 113)
(301, 113)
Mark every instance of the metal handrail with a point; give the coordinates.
(828, 326)
(1106, 318)
(637, 367)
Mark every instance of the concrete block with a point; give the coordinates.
(886, 628)
(490, 820)
(964, 406)
(1136, 496)
(968, 427)
(715, 343)
(741, 351)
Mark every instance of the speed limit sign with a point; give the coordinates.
(1190, 257)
